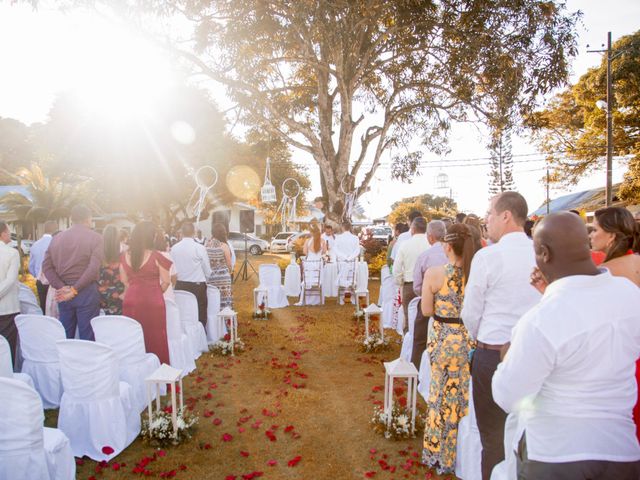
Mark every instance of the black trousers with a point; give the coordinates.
(199, 289)
(9, 331)
(406, 296)
(580, 470)
(489, 415)
(420, 334)
(42, 294)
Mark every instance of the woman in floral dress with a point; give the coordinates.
(448, 345)
(110, 286)
(220, 260)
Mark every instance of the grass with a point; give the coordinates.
(303, 379)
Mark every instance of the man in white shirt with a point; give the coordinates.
(347, 245)
(192, 268)
(571, 364)
(9, 301)
(36, 257)
(330, 238)
(404, 236)
(405, 262)
(497, 294)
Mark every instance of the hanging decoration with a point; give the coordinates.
(287, 208)
(350, 192)
(205, 177)
(268, 191)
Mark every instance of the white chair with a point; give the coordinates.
(346, 279)
(424, 372)
(469, 446)
(191, 326)
(213, 308)
(392, 314)
(28, 301)
(292, 280)
(271, 279)
(96, 409)
(180, 354)
(362, 276)
(311, 285)
(6, 369)
(126, 337)
(513, 428)
(407, 342)
(38, 335)
(27, 450)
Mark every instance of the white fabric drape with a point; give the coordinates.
(407, 342)
(38, 335)
(28, 301)
(392, 313)
(508, 468)
(191, 326)
(330, 279)
(292, 280)
(6, 369)
(126, 337)
(96, 409)
(469, 447)
(180, 354)
(424, 373)
(27, 452)
(270, 278)
(213, 308)
(362, 276)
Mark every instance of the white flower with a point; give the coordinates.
(403, 421)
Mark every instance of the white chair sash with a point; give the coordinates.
(213, 308)
(292, 280)
(362, 276)
(96, 409)
(28, 301)
(191, 326)
(38, 335)
(270, 278)
(469, 446)
(407, 342)
(180, 354)
(424, 373)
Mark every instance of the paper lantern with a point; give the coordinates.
(228, 320)
(372, 312)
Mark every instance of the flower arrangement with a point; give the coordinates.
(374, 343)
(347, 297)
(226, 347)
(262, 312)
(159, 431)
(399, 427)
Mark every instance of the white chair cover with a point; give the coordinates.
(125, 336)
(38, 335)
(424, 373)
(407, 342)
(330, 279)
(292, 280)
(213, 308)
(508, 468)
(6, 369)
(26, 451)
(180, 354)
(362, 276)
(469, 447)
(392, 314)
(97, 409)
(311, 287)
(191, 326)
(28, 301)
(270, 278)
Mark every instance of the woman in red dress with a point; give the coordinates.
(145, 274)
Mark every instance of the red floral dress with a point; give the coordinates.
(111, 289)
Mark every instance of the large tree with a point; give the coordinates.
(501, 174)
(349, 82)
(572, 129)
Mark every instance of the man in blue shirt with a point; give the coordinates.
(36, 257)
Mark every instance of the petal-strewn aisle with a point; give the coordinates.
(295, 405)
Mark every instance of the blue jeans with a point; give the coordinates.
(79, 311)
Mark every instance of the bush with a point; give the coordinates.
(372, 249)
(376, 263)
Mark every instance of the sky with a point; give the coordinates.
(46, 51)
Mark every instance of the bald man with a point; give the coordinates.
(570, 367)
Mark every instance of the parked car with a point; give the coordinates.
(25, 245)
(379, 233)
(295, 243)
(279, 242)
(255, 245)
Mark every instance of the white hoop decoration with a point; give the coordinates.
(287, 208)
(195, 206)
(350, 197)
(268, 191)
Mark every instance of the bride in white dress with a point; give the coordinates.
(314, 249)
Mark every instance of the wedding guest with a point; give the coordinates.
(329, 238)
(405, 261)
(315, 247)
(404, 236)
(476, 230)
(145, 274)
(110, 285)
(192, 267)
(36, 257)
(161, 245)
(497, 294)
(570, 364)
(398, 230)
(434, 256)
(124, 240)
(448, 346)
(460, 217)
(9, 300)
(347, 244)
(636, 216)
(72, 266)
(220, 262)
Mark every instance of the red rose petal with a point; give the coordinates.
(107, 450)
(272, 463)
(230, 477)
(161, 453)
(227, 437)
(217, 421)
(244, 454)
(370, 474)
(294, 461)
(288, 429)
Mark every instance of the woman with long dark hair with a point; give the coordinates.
(110, 285)
(220, 261)
(448, 345)
(145, 273)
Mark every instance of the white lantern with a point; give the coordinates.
(401, 369)
(163, 376)
(228, 320)
(362, 300)
(268, 191)
(370, 313)
(261, 302)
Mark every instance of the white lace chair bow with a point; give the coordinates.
(191, 326)
(96, 409)
(38, 336)
(126, 337)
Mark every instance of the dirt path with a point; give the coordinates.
(295, 405)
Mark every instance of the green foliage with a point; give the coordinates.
(572, 129)
(401, 210)
(501, 174)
